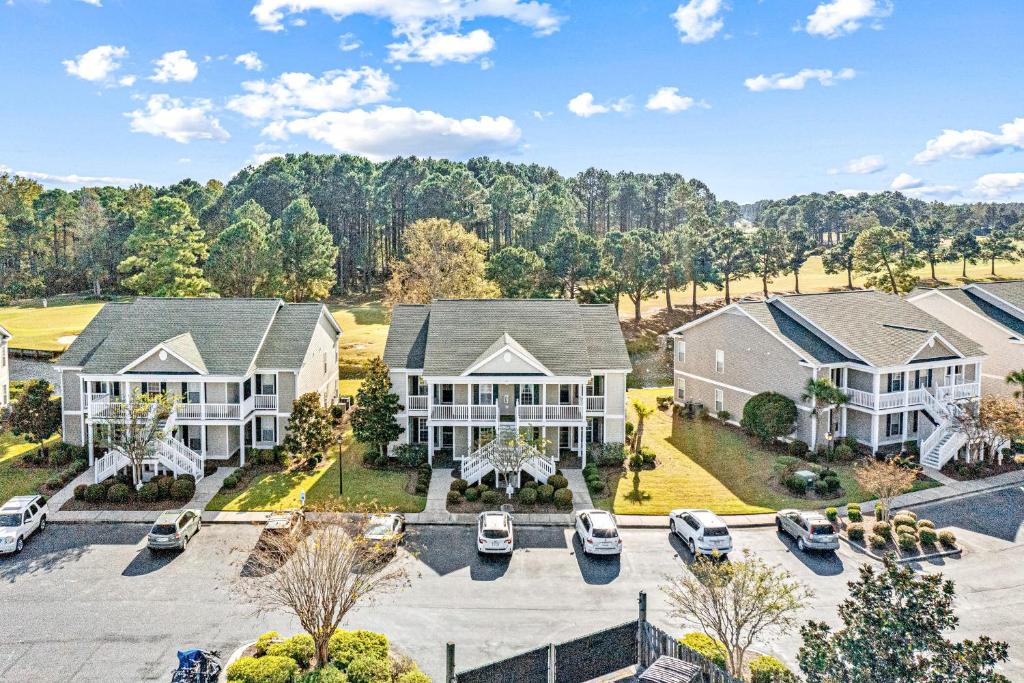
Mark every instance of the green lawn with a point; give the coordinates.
(363, 487)
(47, 329)
(705, 465)
(14, 479)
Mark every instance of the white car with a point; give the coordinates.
(703, 531)
(494, 533)
(20, 517)
(387, 528)
(598, 533)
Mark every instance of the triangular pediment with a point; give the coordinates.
(506, 356)
(935, 347)
(177, 354)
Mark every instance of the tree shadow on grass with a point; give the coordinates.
(637, 495)
(369, 314)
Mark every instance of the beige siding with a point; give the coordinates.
(515, 364)
(858, 379)
(285, 391)
(71, 429)
(72, 390)
(154, 364)
(937, 350)
(319, 370)
(615, 394)
(460, 394)
(459, 444)
(217, 441)
(614, 429)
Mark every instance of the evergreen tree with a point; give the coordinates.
(641, 267)
(573, 258)
(309, 429)
(964, 247)
(928, 240)
(373, 419)
(882, 255)
(798, 245)
(167, 248)
(516, 271)
(731, 254)
(998, 245)
(307, 253)
(768, 255)
(242, 261)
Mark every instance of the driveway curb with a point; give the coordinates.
(954, 552)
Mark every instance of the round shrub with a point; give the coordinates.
(843, 452)
(927, 535)
(490, 497)
(596, 486)
(769, 415)
(232, 480)
(767, 669)
(704, 644)
(80, 491)
(798, 448)
(905, 529)
(947, 539)
(454, 497)
(883, 529)
(563, 499)
(832, 483)
(164, 485)
(119, 493)
(299, 648)
(877, 542)
(545, 493)
(903, 519)
(528, 496)
(459, 485)
(907, 542)
(472, 494)
(328, 674)
(558, 481)
(186, 477)
(855, 531)
(345, 646)
(149, 493)
(796, 485)
(54, 483)
(481, 487)
(414, 676)
(907, 513)
(368, 669)
(854, 513)
(96, 493)
(822, 488)
(532, 484)
(925, 524)
(832, 514)
(263, 670)
(183, 489)
(265, 641)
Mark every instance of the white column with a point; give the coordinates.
(583, 444)
(813, 416)
(91, 455)
(241, 443)
(202, 440)
(874, 432)
(430, 442)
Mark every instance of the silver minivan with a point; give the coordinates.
(20, 517)
(173, 530)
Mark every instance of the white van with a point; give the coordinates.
(19, 518)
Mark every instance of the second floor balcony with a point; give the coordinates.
(921, 397)
(103, 406)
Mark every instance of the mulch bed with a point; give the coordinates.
(536, 508)
(74, 505)
(979, 470)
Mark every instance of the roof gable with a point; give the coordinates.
(506, 356)
(177, 354)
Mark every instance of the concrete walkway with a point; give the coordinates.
(57, 500)
(580, 493)
(955, 489)
(437, 493)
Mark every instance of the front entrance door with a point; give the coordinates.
(507, 401)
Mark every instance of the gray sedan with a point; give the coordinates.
(811, 530)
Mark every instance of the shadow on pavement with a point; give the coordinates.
(596, 569)
(146, 562)
(821, 562)
(62, 544)
(999, 514)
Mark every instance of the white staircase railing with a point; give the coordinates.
(109, 464)
(481, 462)
(180, 458)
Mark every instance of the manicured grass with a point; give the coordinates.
(364, 331)
(363, 487)
(14, 479)
(35, 327)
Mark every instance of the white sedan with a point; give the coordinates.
(598, 532)
(703, 532)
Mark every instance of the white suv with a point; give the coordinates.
(598, 533)
(19, 518)
(494, 533)
(703, 531)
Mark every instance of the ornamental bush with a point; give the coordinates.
(472, 494)
(853, 512)
(345, 646)
(832, 514)
(768, 416)
(922, 523)
(96, 493)
(558, 481)
(843, 453)
(796, 485)
(907, 542)
(80, 491)
(947, 539)
(327, 674)
(612, 455)
(596, 486)
(411, 455)
(299, 648)
(798, 448)
(767, 669)
(263, 670)
(119, 493)
(704, 644)
(528, 496)
(265, 641)
(905, 529)
(414, 676)
(454, 497)
(855, 531)
(883, 529)
(879, 511)
(928, 535)
(878, 542)
(149, 493)
(490, 497)
(369, 669)
(183, 489)
(563, 499)
(545, 493)
(459, 485)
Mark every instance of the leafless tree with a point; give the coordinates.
(885, 480)
(135, 427)
(736, 602)
(510, 451)
(321, 572)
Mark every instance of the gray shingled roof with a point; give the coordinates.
(225, 333)
(779, 323)
(1012, 292)
(883, 329)
(448, 336)
(975, 303)
(4, 333)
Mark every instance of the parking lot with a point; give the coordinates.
(90, 604)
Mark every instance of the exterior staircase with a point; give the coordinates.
(480, 462)
(169, 452)
(943, 443)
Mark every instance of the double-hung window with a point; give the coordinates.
(485, 395)
(895, 382)
(266, 384)
(193, 393)
(719, 400)
(681, 351)
(894, 424)
(526, 395)
(720, 361)
(266, 427)
(681, 389)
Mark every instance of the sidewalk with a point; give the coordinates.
(956, 489)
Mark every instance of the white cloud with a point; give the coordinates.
(541, 115)
(297, 94)
(250, 60)
(840, 17)
(584, 105)
(999, 185)
(669, 100)
(97, 64)
(971, 143)
(127, 81)
(348, 42)
(75, 180)
(170, 117)
(872, 163)
(94, 3)
(905, 181)
(175, 66)
(919, 189)
(438, 48)
(261, 158)
(798, 80)
(385, 132)
(698, 20)
(486, 64)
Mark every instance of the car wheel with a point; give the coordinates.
(672, 526)
(42, 523)
(693, 548)
(184, 543)
(778, 525)
(20, 545)
(800, 544)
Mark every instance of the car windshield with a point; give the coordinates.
(821, 529)
(163, 529)
(10, 520)
(495, 533)
(605, 533)
(716, 531)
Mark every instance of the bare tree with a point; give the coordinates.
(135, 427)
(510, 451)
(322, 572)
(885, 480)
(737, 602)
(968, 420)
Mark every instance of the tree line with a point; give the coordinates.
(306, 226)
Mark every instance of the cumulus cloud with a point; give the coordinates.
(698, 20)
(438, 48)
(840, 17)
(298, 94)
(798, 80)
(872, 163)
(919, 189)
(75, 180)
(170, 117)
(385, 132)
(585, 106)
(250, 60)
(971, 143)
(905, 181)
(669, 100)
(97, 64)
(175, 66)
(94, 3)
(999, 185)
(348, 42)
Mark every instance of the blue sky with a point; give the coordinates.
(758, 99)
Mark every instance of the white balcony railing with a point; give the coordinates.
(595, 404)
(530, 413)
(483, 413)
(450, 412)
(266, 402)
(914, 397)
(563, 413)
(207, 411)
(416, 403)
(958, 392)
(560, 413)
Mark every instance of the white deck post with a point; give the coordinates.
(92, 457)
(202, 440)
(241, 444)
(430, 443)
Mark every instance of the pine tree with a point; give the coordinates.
(167, 248)
(307, 253)
(310, 433)
(373, 419)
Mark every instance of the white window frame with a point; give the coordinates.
(681, 351)
(263, 383)
(194, 389)
(719, 400)
(489, 394)
(262, 431)
(680, 389)
(149, 388)
(891, 423)
(525, 389)
(720, 361)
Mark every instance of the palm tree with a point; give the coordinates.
(1016, 377)
(825, 395)
(642, 411)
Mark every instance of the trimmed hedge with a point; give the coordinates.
(704, 644)
(854, 513)
(459, 485)
(545, 493)
(947, 538)
(414, 676)
(299, 648)
(345, 646)
(855, 531)
(528, 496)
(96, 493)
(557, 481)
(263, 670)
(490, 497)
(183, 489)
(369, 669)
(877, 541)
(883, 529)
(454, 497)
(119, 493)
(563, 499)
(928, 535)
(80, 491)
(769, 415)
(767, 669)
(265, 641)
(472, 494)
(328, 674)
(906, 542)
